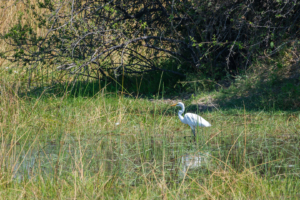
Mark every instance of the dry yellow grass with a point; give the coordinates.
(10, 12)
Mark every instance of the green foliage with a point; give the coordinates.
(46, 4)
(272, 44)
(292, 89)
(196, 83)
(144, 25)
(190, 38)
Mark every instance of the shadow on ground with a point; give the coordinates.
(269, 95)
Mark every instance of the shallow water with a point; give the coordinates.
(175, 157)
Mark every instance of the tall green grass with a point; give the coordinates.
(107, 146)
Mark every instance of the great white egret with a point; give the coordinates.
(191, 119)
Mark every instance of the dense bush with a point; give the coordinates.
(213, 39)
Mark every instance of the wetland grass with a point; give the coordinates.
(112, 147)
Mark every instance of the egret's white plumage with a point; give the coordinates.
(191, 119)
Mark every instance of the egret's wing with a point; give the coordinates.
(195, 120)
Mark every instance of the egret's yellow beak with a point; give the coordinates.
(174, 104)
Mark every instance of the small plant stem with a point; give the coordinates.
(245, 149)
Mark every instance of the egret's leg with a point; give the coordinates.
(193, 130)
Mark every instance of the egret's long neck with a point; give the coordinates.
(180, 112)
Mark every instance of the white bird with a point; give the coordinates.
(191, 119)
